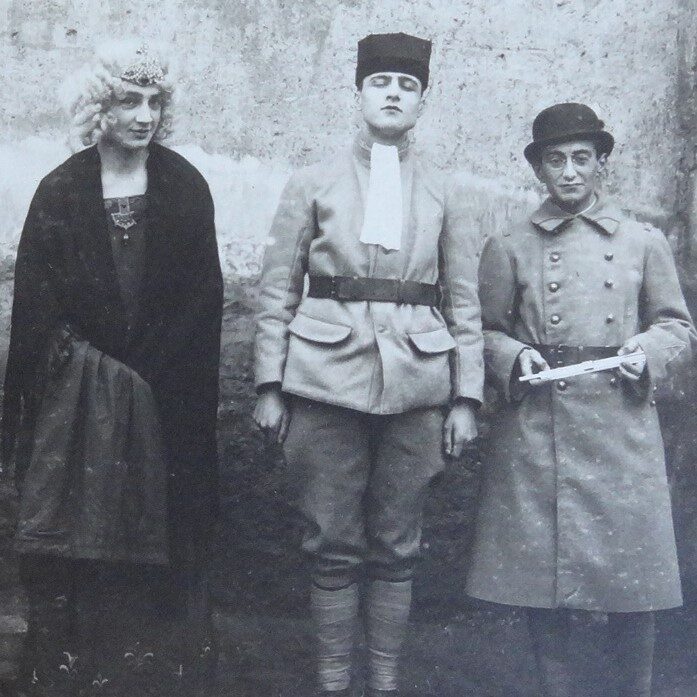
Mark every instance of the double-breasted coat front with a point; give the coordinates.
(575, 510)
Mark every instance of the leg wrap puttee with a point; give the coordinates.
(334, 613)
(388, 606)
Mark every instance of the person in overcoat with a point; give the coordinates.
(111, 386)
(356, 371)
(575, 511)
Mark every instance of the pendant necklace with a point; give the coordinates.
(124, 218)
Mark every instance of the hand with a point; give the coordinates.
(271, 414)
(632, 372)
(531, 361)
(459, 428)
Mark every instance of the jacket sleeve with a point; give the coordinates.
(460, 247)
(667, 330)
(497, 292)
(35, 311)
(282, 278)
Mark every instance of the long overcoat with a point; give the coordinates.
(375, 357)
(575, 510)
(65, 273)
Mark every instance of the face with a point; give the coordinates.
(390, 104)
(570, 173)
(134, 116)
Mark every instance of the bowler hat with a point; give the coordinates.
(564, 122)
(393, 53)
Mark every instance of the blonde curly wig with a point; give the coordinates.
(90, 94)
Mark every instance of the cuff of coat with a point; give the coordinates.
(473, 402)
(266, 370)
(268, 387)
(501, 362)
(658, 356)
(467, 374)
(469, 386)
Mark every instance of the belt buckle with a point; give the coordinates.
(334, 289)
(558, 355)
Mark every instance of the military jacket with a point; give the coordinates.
(375, 357)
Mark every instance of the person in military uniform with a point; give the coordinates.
(575, 511)
(354, 374)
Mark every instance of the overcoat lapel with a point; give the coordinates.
(94, 249)
(164, 220)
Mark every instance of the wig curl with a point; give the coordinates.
(94, 89)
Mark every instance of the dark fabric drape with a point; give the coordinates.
(65, 273)
(96, 482)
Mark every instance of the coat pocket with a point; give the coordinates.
(435, 341)
(318, 330)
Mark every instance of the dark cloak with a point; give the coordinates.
(65, 274)
(96, 482)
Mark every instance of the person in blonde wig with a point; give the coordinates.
(111, 387)
(89, 96)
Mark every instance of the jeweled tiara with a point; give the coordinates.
(145, 70)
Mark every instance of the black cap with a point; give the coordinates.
(393, 53)
(564, 122)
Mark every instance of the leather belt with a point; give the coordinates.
(560, 355)
(384, 290)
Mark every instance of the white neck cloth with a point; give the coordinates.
(382, 222)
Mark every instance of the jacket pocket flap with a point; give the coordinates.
(436, 341)
(318, 330)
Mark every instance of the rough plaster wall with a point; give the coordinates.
(272, 80)
(267, 86)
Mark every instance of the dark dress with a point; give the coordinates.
(127, 220)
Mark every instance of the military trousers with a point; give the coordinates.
(363, 480)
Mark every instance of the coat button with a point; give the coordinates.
(562, 385)
(554, 287)
(653, 402)
(381, 328)
(555, 319)
(609, 283)
(614, 382)
(554, 256)
(610, 319)
(609, 256)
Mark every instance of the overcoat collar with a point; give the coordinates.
(604, 215)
